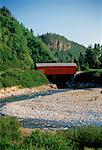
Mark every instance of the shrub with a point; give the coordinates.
(46, 141)
(8, 81)
(85, 136)
(1, 86)
(9, 131)
(24, 78)
(94, 76)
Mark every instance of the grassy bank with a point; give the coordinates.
(71, 139)
(22, 78)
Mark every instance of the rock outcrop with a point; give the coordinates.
(56, 42)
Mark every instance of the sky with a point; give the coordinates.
(78, 20)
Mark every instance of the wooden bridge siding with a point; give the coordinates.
(58, 70)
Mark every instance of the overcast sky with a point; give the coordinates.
(78, 20)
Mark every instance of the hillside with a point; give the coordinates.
(18, 46)
(63, 49)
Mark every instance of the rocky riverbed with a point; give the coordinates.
(16, 91)
(73, 106)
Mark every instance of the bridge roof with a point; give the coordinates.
(55, 64)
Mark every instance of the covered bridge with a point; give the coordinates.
(58, 73)
(57, 68)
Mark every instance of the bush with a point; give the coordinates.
(1, 86)
(8, 81)
(24, 78)
(93, 76)
(9, 131)
(85, 136)
(90, 136)
(46, 141)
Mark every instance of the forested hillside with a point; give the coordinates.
(69, 51)
(19, 51)
(18, 46)
(63, 49)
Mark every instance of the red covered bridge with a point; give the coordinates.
(57, 68)
(58, 73)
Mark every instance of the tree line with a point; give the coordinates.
(92, 58)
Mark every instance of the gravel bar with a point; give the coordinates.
(74, 107)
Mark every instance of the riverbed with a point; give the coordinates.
(58, 109)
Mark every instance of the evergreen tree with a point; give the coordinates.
(97, 53)
(90, 57)
(81, 61)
